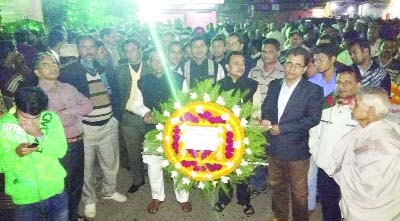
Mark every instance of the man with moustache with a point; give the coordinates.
(335, 122)
(99, 126)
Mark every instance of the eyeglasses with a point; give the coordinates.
(289, 65)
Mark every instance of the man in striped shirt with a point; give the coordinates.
(371, 72)
(99, 126)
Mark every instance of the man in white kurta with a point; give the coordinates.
(368, 162)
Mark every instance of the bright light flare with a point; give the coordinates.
(149, 10)
(350, 9)
(333, 6)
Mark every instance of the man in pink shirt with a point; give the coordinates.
(70, 105)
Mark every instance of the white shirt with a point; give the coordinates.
(335, 122)
(284, 96)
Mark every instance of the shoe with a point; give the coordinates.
(116, 197)
(90, 210)
(134, 188)
(248, 209)
(154, 206)
(219, 207)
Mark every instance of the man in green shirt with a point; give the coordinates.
(32, 142)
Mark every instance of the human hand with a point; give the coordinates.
(24, 149)
(148, 119)
(266, 124)
(275, 130)
(31, 126)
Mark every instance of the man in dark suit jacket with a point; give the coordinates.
(132, 125)
(292, 107)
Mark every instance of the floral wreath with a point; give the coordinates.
(205, 139)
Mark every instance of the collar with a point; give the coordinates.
(293, 85)
(346, 101)
(45, 87)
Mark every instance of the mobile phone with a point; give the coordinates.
(34, 145)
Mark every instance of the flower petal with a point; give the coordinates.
(159, 136)
(220, 101)
(199, 109)
(236, 110)
(243, 122)
(248, 151)
(174, 174)
(224, 179)
(177, 105)
(193, 95)
(201, 185)
(185, 181)
(160, 126)
(206, 97)
(164, 163)
(166, 114)
(160, 149)
(238, 172)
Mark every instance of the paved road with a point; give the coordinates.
(136, 206)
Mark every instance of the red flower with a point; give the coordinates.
(329, 100)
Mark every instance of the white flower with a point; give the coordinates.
(220, 101)
(201, 185)
(159, 126)
(236, 144)
(214, 183)
(206, 97)
(243, 122)
(178, 165)
(177, 105)
(166, 114)
(208, 176)
(193, 174)
(228, 127)
(236, 110)
(244, 163)
(199, 109)
(160, 149)
(238, 172)
(229, 164)
(248, 151)
(224, 179)
(159, 136)
(185, 181)
(246, 141)
(193, 95)
(145, 149)
(164, 163)
(174, 174)
(225, 116)
(175, 120)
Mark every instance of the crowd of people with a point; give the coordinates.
(322, 93)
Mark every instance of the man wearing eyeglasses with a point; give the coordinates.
(32, 142)
(292, 107)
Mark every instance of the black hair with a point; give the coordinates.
(232, 53)
(6, 46)
(295, 32)
(133, 41)
(198, 38)
(300, 51)
(219, 37)
(272, 41)
(105, 31)
(21, 36)
(349, 70)
(54, 38)
(239, 36)
(362, 42)
(38, 58)
(85, 37)
(173, 43)
(326, 48)
(31, 100)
